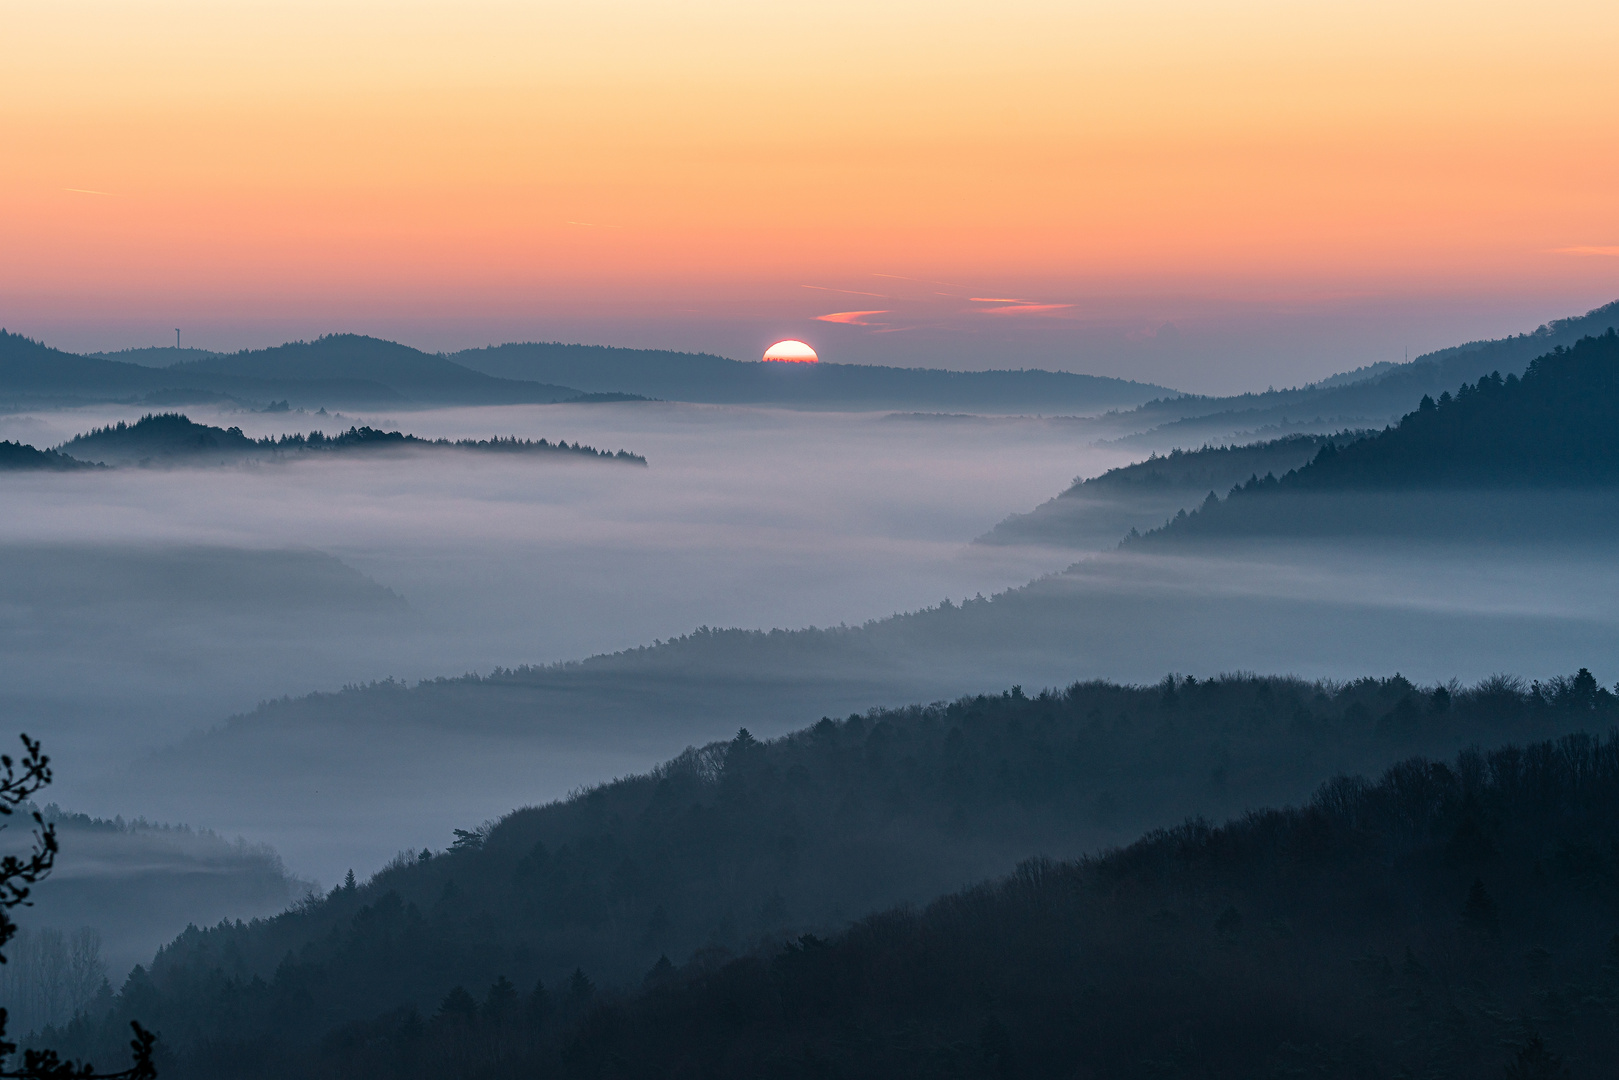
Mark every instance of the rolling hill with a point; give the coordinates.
(1552, 430)
(340, 370)
(743, 845)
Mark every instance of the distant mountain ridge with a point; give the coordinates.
(705, 377)
(1191, 420)
(339, 370)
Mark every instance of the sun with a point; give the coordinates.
(792, 351)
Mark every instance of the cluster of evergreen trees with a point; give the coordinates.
(163, 436)
(522, 940)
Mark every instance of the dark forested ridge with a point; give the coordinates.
(21, 457)
(1552, 430)
(1452, 920)
(175, 438)
(1369, 402)
(430, 967)
(1097, 511)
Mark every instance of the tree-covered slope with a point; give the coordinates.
(20, 457)
(1191, 420)
(1451, 920)
(1095, 512)
(1552, 430)
(747, 842)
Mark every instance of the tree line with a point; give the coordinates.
(513, 941)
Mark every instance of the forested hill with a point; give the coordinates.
(704, 377)
(1450, 920)
(173, 438)
(1094, 513)
(1554, 429)
(1368, 402)
(743, 844)
(20, 457)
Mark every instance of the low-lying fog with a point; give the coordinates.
(140, 606)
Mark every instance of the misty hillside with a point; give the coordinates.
(137, 884)
(1094, 513)
(745, 841)
(1551, 430)
(751, 842)
(1448, 920)
(1191, 420)
(172, 438)
(343, 370)
(23, 458)
(702, 377)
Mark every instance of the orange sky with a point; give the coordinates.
(251, 167)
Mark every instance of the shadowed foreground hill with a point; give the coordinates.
(1449, 921)
(744, 843)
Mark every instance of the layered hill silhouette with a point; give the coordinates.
(1550, 431)
(734, 849)
(1094, 513)
(175, 439)
(1383, 395)
(357, 371)
(708, 378)
(20, 457)
(338, 370)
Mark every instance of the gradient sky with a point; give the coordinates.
(1207, 195)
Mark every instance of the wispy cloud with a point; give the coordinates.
(1009, 305)
(850, 318)
(593, 225)
(925, 281)
(1593, 250)
(85, 191)
(851, 292)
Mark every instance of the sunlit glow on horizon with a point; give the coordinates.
(494, 163)
(791, 351)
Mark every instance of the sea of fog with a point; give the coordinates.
(144, 603)
(141, 607)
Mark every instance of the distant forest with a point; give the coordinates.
(1553, 429)
(1096, 512)
(164, 437)
(21, 457)
(661, 924)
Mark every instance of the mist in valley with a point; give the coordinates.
(332, 663)
(152, 610)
